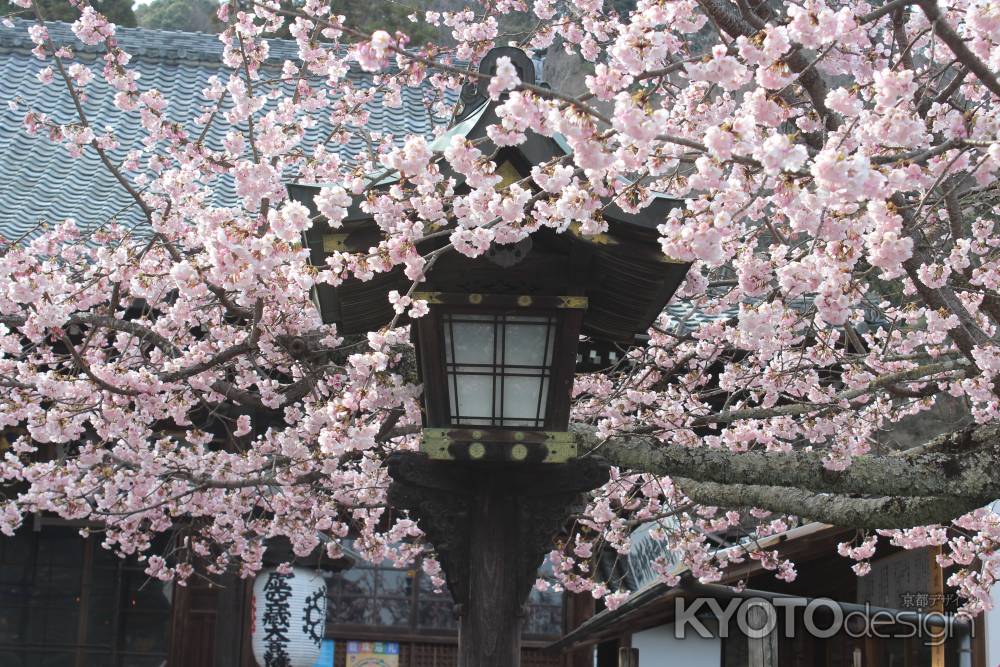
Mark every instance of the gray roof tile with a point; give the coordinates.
(42, 183)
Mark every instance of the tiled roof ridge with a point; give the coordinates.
(147, 43)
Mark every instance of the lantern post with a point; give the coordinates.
(498, 472)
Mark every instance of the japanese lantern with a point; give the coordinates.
(289, 617)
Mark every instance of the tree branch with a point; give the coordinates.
(796, 409)
(961, 463)
(878, 512)
(957, 45)
(730, 19)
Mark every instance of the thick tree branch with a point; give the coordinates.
(294, 392)
(961, 463)
(887, 8)
(85, 367)
(226, 355)
(877, 512)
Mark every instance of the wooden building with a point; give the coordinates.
(891, 618)
(65, 601)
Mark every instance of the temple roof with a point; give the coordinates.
(44, 184)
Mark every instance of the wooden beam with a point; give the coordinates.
(628, 657)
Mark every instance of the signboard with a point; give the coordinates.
(372, 654)
(326, 653)
(648, 543)
(900, 581)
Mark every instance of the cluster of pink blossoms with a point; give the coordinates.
(839, 212)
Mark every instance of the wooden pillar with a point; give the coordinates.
(628, 657)
(579, 608)
(978, 641)
(763, 650)
(192, 635)
(489, 630)
(607, 653)
(936, 592)
(232, 624)
(85, 585)
(491, 527)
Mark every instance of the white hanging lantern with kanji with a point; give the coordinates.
(289, 617)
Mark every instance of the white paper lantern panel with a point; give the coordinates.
(289, 617)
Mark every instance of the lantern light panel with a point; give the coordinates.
(498, 370)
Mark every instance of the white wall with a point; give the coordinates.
(658, 648)
(992, 623)
(991, 619)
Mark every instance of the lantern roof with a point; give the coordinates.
(623, 273)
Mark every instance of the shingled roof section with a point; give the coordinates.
(43, 184)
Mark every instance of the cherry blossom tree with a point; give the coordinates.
(837, 160)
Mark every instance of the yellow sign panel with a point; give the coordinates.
(372, 654)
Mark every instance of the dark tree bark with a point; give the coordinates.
(938, 481)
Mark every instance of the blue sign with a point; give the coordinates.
(325, 658)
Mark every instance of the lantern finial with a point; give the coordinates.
(474, 92)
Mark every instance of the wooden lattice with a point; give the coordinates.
(535, 658)
(430, 655)
(414, 654)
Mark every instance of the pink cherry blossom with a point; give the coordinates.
(830, 185)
